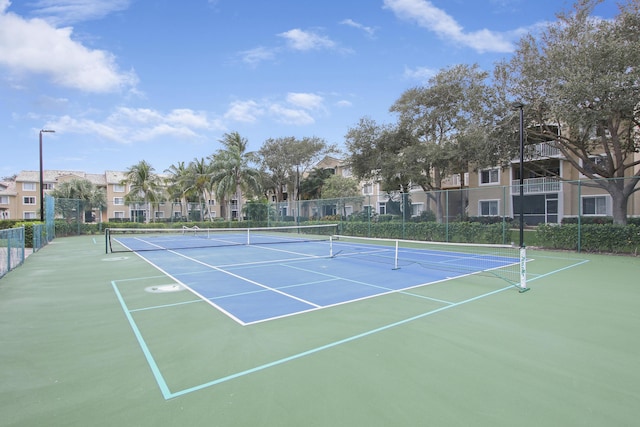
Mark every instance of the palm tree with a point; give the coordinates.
(198, 182)
(78, 195)
(144, 185)
(232, 173)
(311, 186)
(177, 185)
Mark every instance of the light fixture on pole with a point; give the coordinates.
(42, 176)
(520, 107)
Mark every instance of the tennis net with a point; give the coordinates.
(502, 261)
(154, 239)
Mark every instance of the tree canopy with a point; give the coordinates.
(579, 81)
(78, 195)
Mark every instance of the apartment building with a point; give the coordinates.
(20, 199)
(553, 189)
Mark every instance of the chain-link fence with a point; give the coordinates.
(12, 251)
(489, 213)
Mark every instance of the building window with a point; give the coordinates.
(29, 186)
(118, 214)
(118, 188)
(595, 205)
(118, 200)
(382, 208)
(416, 209)
(367, 188)
(595, 161)
(48, 185)
(488, 208)
(28, 200)
(159, 214)
(490, 176)
(211, 202)
(4, 200)
(29, 215)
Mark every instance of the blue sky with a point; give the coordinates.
(127, 80)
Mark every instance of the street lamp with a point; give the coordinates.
(520, 107)
(42, 176)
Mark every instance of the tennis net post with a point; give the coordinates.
(522, 285)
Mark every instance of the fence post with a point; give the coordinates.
(579, 215)
(446, 211)
(504, 214)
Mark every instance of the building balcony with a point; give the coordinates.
(541, 150)
(455, 181)
(537, 185)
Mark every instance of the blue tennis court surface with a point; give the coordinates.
(255, 283)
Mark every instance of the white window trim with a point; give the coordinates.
(593, 156)
(419, 207)
(480, 202)
(608, 203)
(480, 183)
(28, 186)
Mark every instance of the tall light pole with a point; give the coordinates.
(520, 107)
(42, 176)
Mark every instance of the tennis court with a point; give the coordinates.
(319, 332)
(277, 272)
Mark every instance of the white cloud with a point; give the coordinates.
(296, 108)
(343, 103)
(64, 12)
(256, 55)
(298, 39)
(426, 15)
(308, 101)
(370, 31)
(188, 117)
(35, 46)
(423, 74)
(290, 116)
(127, 125)
(244, 111)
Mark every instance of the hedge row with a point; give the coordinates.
(598, 220)
(608, 238)
(590, 237)
(460, 232)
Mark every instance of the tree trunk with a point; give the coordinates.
(619, 209)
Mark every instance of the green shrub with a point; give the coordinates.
(461, 232)
(610, 238)
(588, 220)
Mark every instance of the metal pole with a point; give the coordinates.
(521, 176)
(41, 183)
(520, 107)
(42, 177)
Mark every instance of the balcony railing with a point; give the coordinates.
(454, 180)
(541, 150)
(536, 185)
